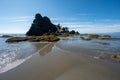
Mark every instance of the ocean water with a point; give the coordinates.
(95, 48)
(13, 54)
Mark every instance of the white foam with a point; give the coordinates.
(14, 64)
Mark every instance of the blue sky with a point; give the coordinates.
(86, 16)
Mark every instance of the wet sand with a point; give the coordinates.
(58, 64)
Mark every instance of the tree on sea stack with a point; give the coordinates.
(41, 25)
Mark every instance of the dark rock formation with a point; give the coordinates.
(41, 25)
(72, 32)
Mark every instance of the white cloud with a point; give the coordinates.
(20, 17)
(89, 27)
(25, 17)
(63, 19)
(17, 19)
(21, 20)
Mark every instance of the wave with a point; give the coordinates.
(14, 64)
(12, 55)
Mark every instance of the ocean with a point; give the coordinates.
(95, 48)
(14, 54)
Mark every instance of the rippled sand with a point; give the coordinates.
(54, 63)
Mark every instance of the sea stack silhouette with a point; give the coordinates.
(41, 25)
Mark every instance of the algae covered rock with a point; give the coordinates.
(48, 38)
(17, 39)
(93, 35)
(104, 37)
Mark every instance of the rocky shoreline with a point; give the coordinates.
(47, 38)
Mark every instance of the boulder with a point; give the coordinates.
(17, 39)
(104, 37)
(116, 57)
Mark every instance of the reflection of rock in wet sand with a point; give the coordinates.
(39, 45)
(44, 48)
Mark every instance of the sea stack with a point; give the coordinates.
(41, 25)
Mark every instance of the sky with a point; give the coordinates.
(85, 16)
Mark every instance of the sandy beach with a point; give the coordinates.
(53, 63)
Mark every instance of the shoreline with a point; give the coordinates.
(59, 64)
(12, 65)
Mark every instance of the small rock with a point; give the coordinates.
(116, 57)
(104, 37)
(6, 36)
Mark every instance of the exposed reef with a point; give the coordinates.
(95, 36)
(48, 38)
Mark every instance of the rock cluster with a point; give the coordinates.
(95, 36)
(104, 37)
(48, 38)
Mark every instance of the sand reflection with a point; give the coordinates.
(44, 48)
